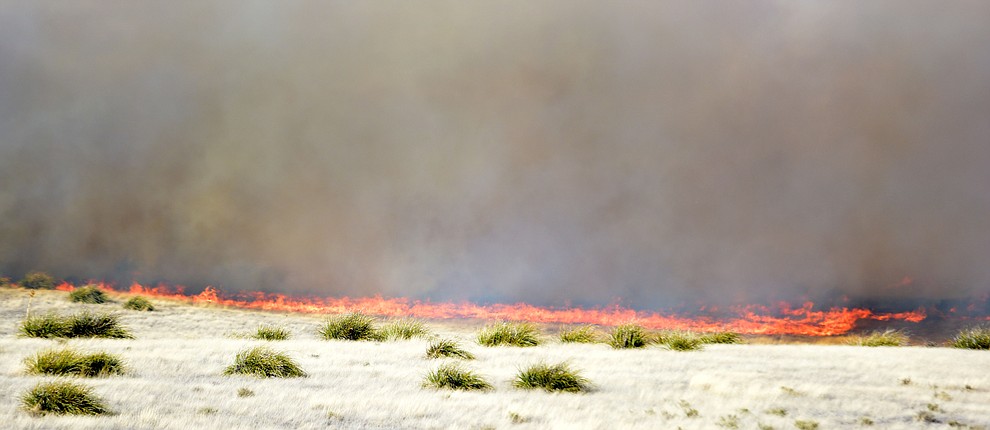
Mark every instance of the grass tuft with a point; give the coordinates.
(402, 329)
(267, 332)
(447, 348)
(62, 397)
(88, 294)
(84, 324)
(138, 303)
(511, 334)
(628, 336)
(555, 377)
(38, 281)
(453, 376)
(66, 362)
(882, 338)
(972, 338)
(352, 326)
(680, 341)
(583, 334)
(720, 337)
(264, 362)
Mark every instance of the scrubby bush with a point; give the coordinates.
(447, 348)
(62, 397)
(66, 362)
(5, 282)
(84, 324)
(628, 336)
(555, 377)
(352, 326)
(38, 281)
(455, 377)
(264, 362)
(403, 329)
(88, 294)
(720, 337)
(267, 332)
(512, 334)
(679, 341)
(138, 303)
(583, 334)
(882, 338)
(972, 338)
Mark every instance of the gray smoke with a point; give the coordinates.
(553, 152)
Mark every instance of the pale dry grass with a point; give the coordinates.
(176, 362)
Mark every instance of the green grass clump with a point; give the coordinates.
(264, 362)
(62, 397)
(583, 334)
(453, 376)
(555, 377)
(882, 338)
(66, 362)
(972, 338)
(680, 341)
(267, 332)
(628, 336)
(403, 329)
(352, 326)
(720, 337)
(84, 324)
(88, 294)
(447, 348)
(138, 303)
(38, 281)
(512, 334)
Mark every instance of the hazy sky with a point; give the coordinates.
(555, 152)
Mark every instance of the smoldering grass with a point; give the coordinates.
(269, 332)
(264, 362)
(445, 348)
(628, 336)
(88, 294)
(582, 334)
(720, 337)
(511, 334)
(62, 397)
(68, 362)
(887, 337)
(972, 338)
(552, 377)
(454, 376)
(353, 326)
(139, 303)
(83, 324)
(402, 329)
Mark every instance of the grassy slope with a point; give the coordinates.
(180, 352)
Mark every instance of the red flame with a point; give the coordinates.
(784, 319)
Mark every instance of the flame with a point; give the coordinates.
(783, 319)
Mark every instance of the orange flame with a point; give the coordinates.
(753, 319)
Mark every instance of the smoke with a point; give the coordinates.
(553, 152)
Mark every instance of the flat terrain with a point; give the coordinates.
(176, 360)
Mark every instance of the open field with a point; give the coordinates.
(176, 362)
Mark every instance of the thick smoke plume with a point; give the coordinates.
(552, 152)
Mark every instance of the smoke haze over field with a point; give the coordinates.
(658, 152)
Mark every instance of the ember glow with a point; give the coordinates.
(781, 319)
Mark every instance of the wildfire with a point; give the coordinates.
(783, 319)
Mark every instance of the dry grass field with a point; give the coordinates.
(175, 363)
